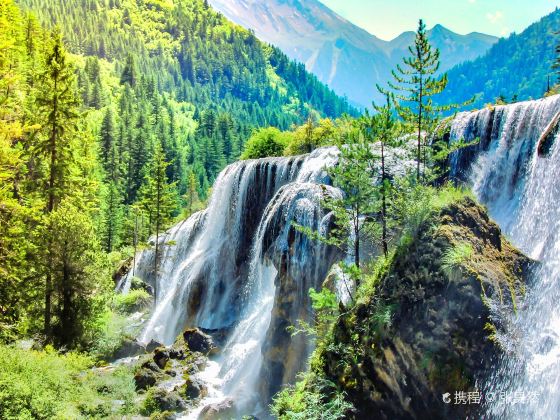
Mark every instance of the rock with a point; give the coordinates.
(195, 388)
(145, 378)
(219, 335)
(150, 365)
(168, 401)
(177, 354)
(197, 341)
(129, 348)
(437, 339)
(152, 345)
(210, 412)
(139, 284)
(161, 357)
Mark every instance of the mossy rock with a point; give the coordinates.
(437, 338)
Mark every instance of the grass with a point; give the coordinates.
(48, 385)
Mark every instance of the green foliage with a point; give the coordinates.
(44, 385)
(313, 397)
(80, 276)
(456, 256)
(520, 65)
(112, 331)
(266, 142)
(132, 301)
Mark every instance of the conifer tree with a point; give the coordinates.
(192, 195)
(354, 174)
(382, 129)
(107, 137)
(415, 84)
(58, 107)
(158, 197)
(129, 74)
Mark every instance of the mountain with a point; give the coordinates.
(347, 58)
(516, 67)
(189, 64)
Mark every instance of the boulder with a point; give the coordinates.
(161, 357)
(152, 345)
(168, 401)
(145, 378)
(129, 348)
(195, 388)
(197, 341)
(211, 411)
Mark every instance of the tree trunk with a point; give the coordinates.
(420, 111)
(67, 321)
(50, 208)
(384, 201)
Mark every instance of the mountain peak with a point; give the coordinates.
(341, 54)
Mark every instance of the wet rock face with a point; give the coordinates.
(438, 340)
(302, 263)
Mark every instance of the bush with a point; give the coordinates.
(266, 142)
(311, 398)
(132, 301)
(111, 336)
(44, 385)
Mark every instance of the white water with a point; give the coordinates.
(522, 192)
(206, 280)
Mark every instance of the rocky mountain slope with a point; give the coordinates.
(347, 58)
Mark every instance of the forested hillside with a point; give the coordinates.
(185, 66)
(114, 115)
(516, 67)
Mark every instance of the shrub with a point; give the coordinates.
(455, 256)
(313, 397)
(266, 142)
(132, 301)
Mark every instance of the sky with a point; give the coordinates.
(388, 18)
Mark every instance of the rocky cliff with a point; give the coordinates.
(429, 328)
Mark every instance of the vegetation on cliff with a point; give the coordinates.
(422, 323)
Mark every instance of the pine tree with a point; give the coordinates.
(556, 64)
(129, 74)
(107, 137)
(58, 107)
(383, 129)
(78, 272)
(415, 85)
(355, 175)
(158, 197)
(192, 195)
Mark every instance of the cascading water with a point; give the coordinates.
(522, 191)
(242, 266)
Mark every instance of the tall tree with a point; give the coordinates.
(416, 83)
(158, 197)
(355, 175)
(382, 129)
(58, 107)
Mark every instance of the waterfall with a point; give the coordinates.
(521, 189)
(241, 266)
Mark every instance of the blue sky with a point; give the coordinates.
(388, 18)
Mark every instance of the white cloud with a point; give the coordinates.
(472, 1)
(495, 17)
